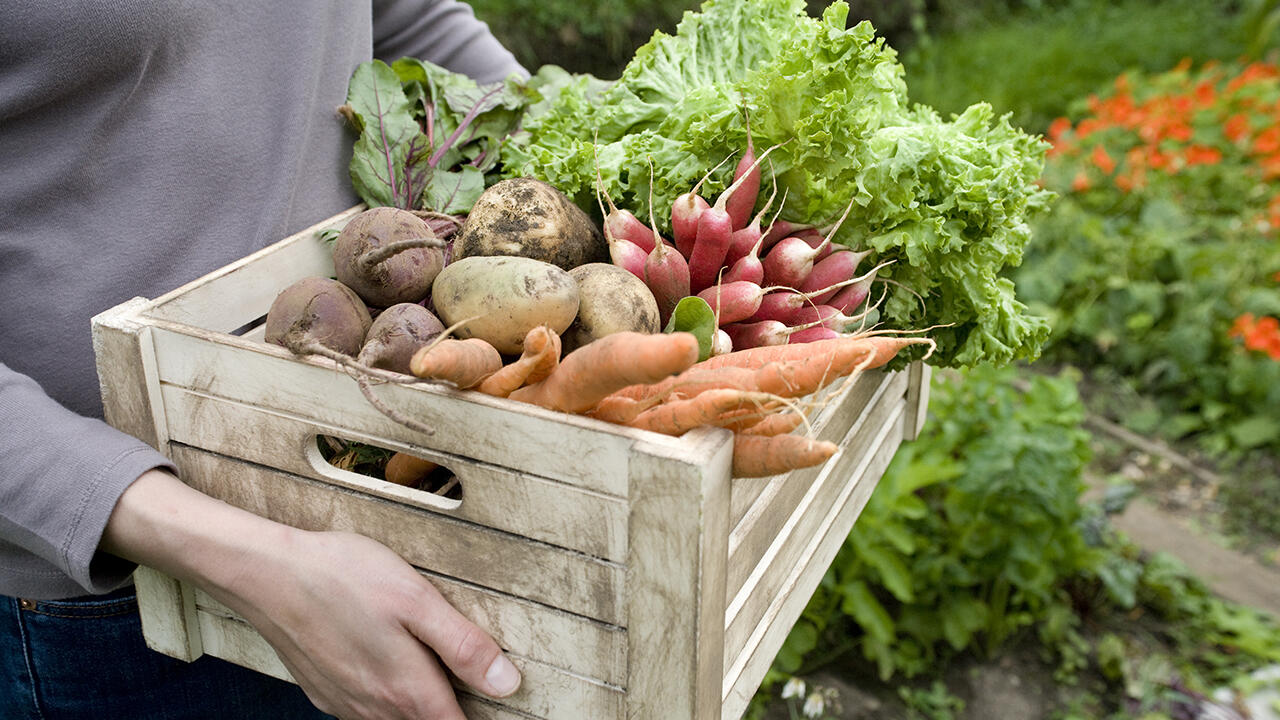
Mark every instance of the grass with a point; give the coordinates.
(1034, 63)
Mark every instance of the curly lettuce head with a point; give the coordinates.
(945, 202)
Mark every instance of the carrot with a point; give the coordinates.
(592, 372)
(621, 410)
(408, 470)
(540, 357)
(680, 416)
(764, 455)
(775, 424)
(840, 355)
(465, 363)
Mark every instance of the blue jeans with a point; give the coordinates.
(85, 658)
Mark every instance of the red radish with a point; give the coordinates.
(621, 224)
(781, 304)
(760, 333)
(746, 241)
(748, 175)
(733, 301)
(714, 235)
(746, 268)
(721, 344)
(628, 256)
(781, 229)
(828, 316)
(839, 265)
(811, 334)
(791, 260)
(856, 292)
(685, 212)
(666, 272)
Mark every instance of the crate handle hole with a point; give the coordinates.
(389, 466)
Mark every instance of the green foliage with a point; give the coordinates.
(1033, 59)
(1164, 246)
(969, 535)
(976, 536)
(597, 37)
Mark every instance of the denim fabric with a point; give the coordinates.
(85, 658)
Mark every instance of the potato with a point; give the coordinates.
(506, 296)
(610, 300)
(529, 218)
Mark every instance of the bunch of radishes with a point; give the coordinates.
(786, 283)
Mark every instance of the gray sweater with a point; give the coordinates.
(142, 145)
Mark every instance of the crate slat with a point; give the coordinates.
(519, 503)
(545, 691)
(552, 576)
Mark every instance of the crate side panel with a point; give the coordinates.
(545, 691)
(747, 491)
(238, 293)
(860, 424)
(526, 505)
(748, 667)
(543, 573)
(825, 517)
(569, 448)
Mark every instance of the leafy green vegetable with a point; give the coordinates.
(428, 136)
(945, 200)
(694, 315)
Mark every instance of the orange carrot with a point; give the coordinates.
(841, 354)
(763, 455)
(771, 424)
(465, 363)
(783, 370)
(540, 356)
(408, 470)
(680, 416)
(621, 410)
(595, 370)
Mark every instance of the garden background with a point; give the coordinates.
(1021, 559)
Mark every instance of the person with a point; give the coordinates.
(143, 145)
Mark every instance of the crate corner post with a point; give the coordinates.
(678, 537)
(126, 367)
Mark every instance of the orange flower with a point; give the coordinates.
(1261, 334)
(1103, 160)
(1080, 182)
(1203, 155)
(1205, 94)
(1267, 141)
(1270, 166)
(1236, 128)
(1058, 128)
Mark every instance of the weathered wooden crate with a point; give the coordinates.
(623, 570)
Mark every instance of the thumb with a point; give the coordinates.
(466, 649)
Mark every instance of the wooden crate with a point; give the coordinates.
(624, 572)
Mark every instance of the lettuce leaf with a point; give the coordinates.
(946, 201)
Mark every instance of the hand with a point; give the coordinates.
(359, 629)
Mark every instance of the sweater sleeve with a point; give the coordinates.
(445, 32)
(62, 474)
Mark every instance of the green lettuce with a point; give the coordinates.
(946, 201)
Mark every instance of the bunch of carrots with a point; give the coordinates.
(655, 382)
(785, 283)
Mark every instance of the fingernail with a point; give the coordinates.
(502, 676)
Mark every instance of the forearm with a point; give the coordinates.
(162, 523)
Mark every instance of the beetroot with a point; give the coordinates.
(388, 256)
(317, 313)
(396, 334)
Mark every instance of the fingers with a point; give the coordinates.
(466, 649)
